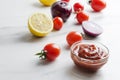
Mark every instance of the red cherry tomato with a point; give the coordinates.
(78, 7)
(73, 37)
(98, 5)
(51, 51)
(81, 16)
(66, 0)
(58, 23)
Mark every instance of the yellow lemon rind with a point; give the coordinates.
(36, 32)
(45, 3)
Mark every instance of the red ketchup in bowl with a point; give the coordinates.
(89, 56)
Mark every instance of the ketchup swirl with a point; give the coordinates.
(90, 51)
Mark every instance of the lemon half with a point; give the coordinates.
(40, 24)
(47, 2)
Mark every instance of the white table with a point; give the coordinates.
(18, 46)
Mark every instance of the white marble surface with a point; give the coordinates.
(18, 46)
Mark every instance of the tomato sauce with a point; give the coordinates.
(90, 51)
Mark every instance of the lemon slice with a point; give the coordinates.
(40, 24)
(47, 2)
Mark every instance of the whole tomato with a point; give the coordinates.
(58, 23)
(73, 37)
(50, 52)
(78, 7)
(82, 16)
(98, 5)
(66, 0)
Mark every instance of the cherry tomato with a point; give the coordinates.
(73, 37)
(66, 0)
(98, 5)
(78, 7)
(81, 16)
(51, 51)
(58, 23)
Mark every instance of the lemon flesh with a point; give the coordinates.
(47, 2)
(40, 24)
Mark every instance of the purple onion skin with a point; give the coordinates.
(61, 9)
(89, 32)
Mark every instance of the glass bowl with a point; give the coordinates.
(86, 63)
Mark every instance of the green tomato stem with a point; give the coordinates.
(42, 54)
